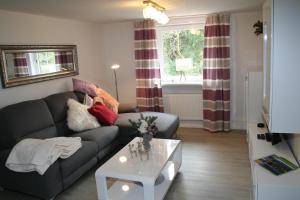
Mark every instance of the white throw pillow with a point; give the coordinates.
(79, 118)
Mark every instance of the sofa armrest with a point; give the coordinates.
(128, 108)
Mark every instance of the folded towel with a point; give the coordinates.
(38, 155)
(67, 145)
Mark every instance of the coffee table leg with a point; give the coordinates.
(101, 188)
(148, 191)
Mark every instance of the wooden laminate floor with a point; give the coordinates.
(215, 166)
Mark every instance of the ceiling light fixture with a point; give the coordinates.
(154, 11)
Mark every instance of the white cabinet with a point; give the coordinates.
(267, 186)
(281, 97)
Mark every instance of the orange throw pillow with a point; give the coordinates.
(98, 99)
(108, 100)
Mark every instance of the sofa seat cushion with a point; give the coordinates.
(167, 124)
(103, 136)
(44, 187)
(87, 152)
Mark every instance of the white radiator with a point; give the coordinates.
(186, 106)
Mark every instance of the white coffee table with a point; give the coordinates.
(164, 158)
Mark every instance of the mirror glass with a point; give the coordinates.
(29, 64)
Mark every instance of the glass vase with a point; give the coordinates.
(147, 137)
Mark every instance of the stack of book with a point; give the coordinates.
(276, 165)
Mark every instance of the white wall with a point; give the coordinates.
(246, 55)
(117, 43)
(19, 28)
(100, 46)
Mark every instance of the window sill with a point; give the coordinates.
(182, 88)
(181, 84)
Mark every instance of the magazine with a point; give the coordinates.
(276, 165)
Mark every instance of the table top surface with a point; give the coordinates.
(139, 167)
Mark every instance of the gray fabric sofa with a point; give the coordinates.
(46, 118)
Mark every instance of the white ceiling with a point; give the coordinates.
(105, 11)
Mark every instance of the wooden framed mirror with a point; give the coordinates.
(25, 64)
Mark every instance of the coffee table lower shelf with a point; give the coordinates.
(125, 190)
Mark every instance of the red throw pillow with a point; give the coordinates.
(103, 113)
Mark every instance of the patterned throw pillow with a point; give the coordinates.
(84, 87)
(108, 100)
(88, 101)
(79, 119)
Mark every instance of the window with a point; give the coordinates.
(181, 54)
(43, 63)
(46, 62)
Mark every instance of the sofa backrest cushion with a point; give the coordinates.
(58, 107)
(80, 96)
(29, 119)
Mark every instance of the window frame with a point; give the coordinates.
(180, 23)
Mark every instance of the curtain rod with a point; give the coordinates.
(180, 24)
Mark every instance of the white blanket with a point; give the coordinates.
(37, 155)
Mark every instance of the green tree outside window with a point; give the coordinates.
(180, 44)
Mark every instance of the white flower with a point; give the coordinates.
(143, 128)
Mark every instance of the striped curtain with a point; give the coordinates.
(148, 91)
(216, 73)
(21, 68)
(64, 60)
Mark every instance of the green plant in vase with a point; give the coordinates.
(146, 128)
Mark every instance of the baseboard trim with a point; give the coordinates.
(239, 125)
(191, 123)
(235, 125)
